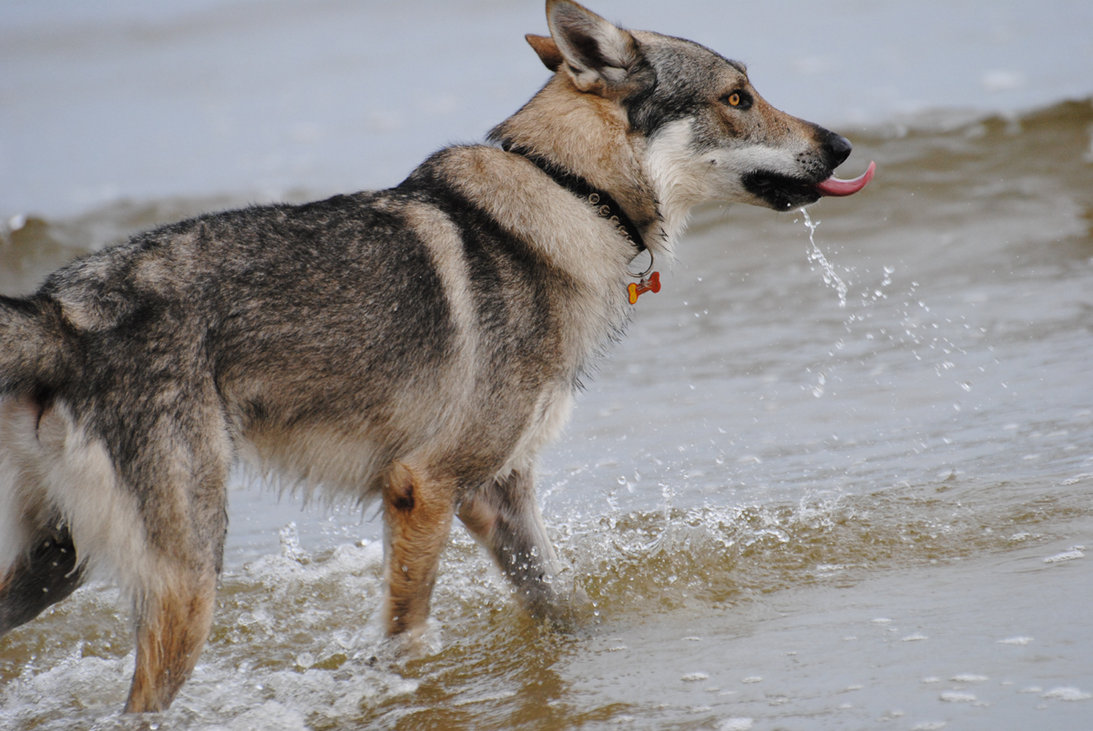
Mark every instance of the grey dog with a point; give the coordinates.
(419, 345)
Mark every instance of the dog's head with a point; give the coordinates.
(700, 129)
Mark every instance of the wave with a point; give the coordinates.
(295, 630)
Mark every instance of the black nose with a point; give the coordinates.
(839, 148)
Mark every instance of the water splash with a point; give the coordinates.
(831, 278)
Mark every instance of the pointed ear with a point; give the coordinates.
(598, 56)
(547, 50)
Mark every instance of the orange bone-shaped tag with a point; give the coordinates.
(636, 289)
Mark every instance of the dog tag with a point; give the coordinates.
(637, 289)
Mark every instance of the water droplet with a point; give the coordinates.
(816, 256)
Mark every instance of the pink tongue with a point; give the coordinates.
(835, 187)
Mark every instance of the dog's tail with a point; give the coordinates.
(31, 346)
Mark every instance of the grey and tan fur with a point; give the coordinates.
(418, 345)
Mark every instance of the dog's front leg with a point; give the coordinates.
(417, 513)
(504, 516)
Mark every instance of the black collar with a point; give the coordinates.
(605, 205)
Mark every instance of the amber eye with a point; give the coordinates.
(737, 100)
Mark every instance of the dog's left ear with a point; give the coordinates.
(598, 56)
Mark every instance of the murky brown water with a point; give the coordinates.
(790, 510)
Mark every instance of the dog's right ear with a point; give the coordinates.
(598, 56)
(547, 50)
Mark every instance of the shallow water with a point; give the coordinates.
(791, 508)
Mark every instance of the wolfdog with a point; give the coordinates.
(417, 345)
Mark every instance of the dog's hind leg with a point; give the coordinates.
(417, 520)
(38, 561)
(174, 613)
(174, 607)
(173, 624)
(504, 516)
(43, 575)
(181, 473)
